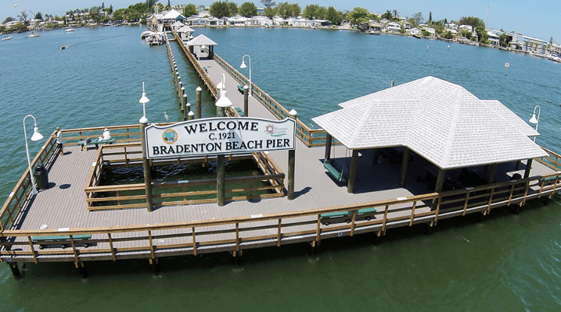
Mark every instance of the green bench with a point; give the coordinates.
(61, 240)
(241, 89)
(206, 70)
(94, 142)
(240, 111)
(345, 214)
(334, 172)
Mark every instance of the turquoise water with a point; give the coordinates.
(506, 262)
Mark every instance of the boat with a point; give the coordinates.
(62, 47)
(33, 35)
(373, 32)
(154, 38)
(7, 38)
(417, 36)
(146, 33)
(69, 29)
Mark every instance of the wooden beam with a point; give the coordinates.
(492, 173)
(404, 163)
(352, 172)
(328, 140)
(440, 180)
(528, 168)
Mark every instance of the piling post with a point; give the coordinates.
(186, 110)
(182, 98)
(146, 166)
(292, 160)
(352, 172)
(404, 163)
(179, 87)
(245, 101)
(199, 100)
(190, 116)
(15, 270)
(328, 140)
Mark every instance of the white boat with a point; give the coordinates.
(146, 33)
(69, 29)
(33, 35)
(155, 38)
(7, 38)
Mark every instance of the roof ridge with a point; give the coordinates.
(453, 125)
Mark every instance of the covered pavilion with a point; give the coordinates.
(202, 41)
(437, 120)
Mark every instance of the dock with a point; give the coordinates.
(181, 225)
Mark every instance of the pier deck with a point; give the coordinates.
(63, 205)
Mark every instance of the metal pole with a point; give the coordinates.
(292, 161)
(146, 167)
(245, 102)
(199, 90)
(221, 173)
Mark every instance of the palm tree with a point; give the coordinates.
(395, 14)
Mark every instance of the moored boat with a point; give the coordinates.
(7, 38)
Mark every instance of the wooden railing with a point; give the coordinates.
(21, 194)
(235, 234)
(125, 196)
(200, 71)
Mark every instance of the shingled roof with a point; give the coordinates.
(441, 121)
(201, 40)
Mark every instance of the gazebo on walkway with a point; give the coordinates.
(439, 121)
(201, 41)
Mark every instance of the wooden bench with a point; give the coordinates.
(334, 172)
(366, 212)
(241, 89)
(61, 240)
(94, 142)
(240, 111)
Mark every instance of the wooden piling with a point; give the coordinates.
(199, 100)
(245, 101)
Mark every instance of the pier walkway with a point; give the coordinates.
(193, 229)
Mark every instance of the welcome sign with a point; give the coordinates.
(219, 136)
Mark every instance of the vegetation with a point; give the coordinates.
(220, 9)
(358, 16)
(472, 21)
(284, 10)
(190, 10)
(334, 16)
(482, 36)
(247, 9)
(466, 33)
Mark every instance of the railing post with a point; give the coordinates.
(245, 101)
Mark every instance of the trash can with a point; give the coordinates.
(41, 177)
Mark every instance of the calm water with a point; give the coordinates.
(506, 262)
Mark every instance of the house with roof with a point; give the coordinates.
(465, 27)
(237, 21)
(444, 124)
(493, 38)
(393, 27)
(261, 21)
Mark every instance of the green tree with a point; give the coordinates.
(39, 16)
(23, 16)
(310, 11)
(336, 17)
(395, 14)
(418, 17)
(321, 12)
(219, 9)
(169, 3)
(284, 10)
(482, 34)
(466, 33)
(296, 10)
(270, 12)
(447, 35)
(358, 16)
(388, 15)
(190, 10)
(425, 33)
(8, 19)
(248, 9)
(472, 21)
(269, 3)
(109, 10)
(430, 16)
(233, 8)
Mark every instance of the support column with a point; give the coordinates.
(221, 172)
(199, 101)
(187, 109)
(404, 163)
(245, 101)
(328, 141)
(376, 156)
(292, 161)
(528, 168)
(352, 172)
(440, 180)
(492, 174)
(146, 168)
(190, 116)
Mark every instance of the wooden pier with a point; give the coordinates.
(185, 226)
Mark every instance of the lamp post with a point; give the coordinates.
(35, 137)
(534, 120)
(222, 104)
(145, 163)
(245, 66)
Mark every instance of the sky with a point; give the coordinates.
(532, 18)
